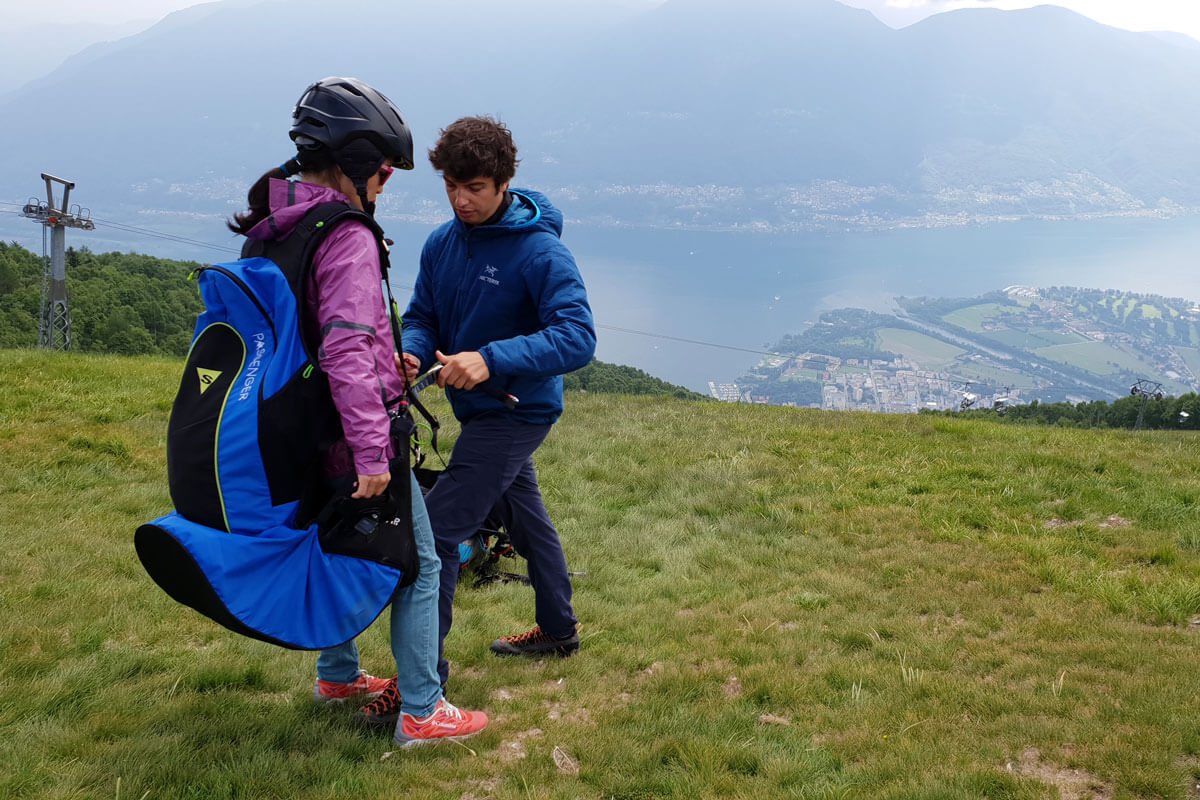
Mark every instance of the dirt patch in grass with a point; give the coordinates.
(771, 719)
(940, 620)
(513, 749)
(506, 694)
(488, 787)
(1112, 521)
(1072, 784)
(1192, 764)
(560, 711)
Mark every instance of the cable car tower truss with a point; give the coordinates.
(54, 321)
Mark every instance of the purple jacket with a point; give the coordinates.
(346, 315)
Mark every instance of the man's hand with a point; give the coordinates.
(372, 485)
(407, 365)
(462, 370)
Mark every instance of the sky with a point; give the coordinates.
(1182, 16)
(1140, 15)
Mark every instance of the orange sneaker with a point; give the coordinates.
(446, 722)
(363, 686)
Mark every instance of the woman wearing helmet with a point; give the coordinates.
(348, 139)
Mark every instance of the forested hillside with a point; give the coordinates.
(1167, 413)
(132, 304)
(120, 302)
(599, 376)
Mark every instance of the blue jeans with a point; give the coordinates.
(491, 468)
(414, 627)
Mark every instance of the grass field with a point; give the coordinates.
(929, 353)
(1032, 340)
(778, 603)
(996, 376)
(1191, 357)
(1097, 357)
(972, 318)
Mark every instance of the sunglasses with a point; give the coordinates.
(384, 173)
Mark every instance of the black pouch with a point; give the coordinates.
(377, 529)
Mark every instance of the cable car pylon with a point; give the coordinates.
(54, 319)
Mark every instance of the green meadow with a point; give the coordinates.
(930, 353)
(778, 603)
(1097, 357)
(972, 318)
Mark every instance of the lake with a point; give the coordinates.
(747, 291)
(744, 291)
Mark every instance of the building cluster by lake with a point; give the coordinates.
(895, 386)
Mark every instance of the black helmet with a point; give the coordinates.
(358, 126)
(335, 112)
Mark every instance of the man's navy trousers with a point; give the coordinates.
(491, 468)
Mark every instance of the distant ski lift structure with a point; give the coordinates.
(1000, 401)
(1145, 389)
(968, 398)
(54, 321)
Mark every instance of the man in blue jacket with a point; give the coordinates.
(498, 298)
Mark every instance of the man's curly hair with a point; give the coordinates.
(474, 147)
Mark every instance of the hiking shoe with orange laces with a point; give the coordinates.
(384, 710)
(536, 643)
(446, 722)
(363, 686)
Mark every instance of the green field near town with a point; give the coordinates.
(1100, 358)
(929, 353)
(972, 318)
(1031, 340)
(994, 376)
(1191, 357)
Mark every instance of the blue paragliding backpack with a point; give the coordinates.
(257, 541)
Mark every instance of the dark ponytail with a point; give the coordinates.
(259, 196)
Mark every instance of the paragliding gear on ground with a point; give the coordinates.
(479, 556)
(247, 542)
(358, 125)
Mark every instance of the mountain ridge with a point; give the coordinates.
(813, 115)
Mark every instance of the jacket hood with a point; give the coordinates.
(530, 211)
(289, 201)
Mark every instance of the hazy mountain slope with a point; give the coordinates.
(1044, 93)
(696, 112)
